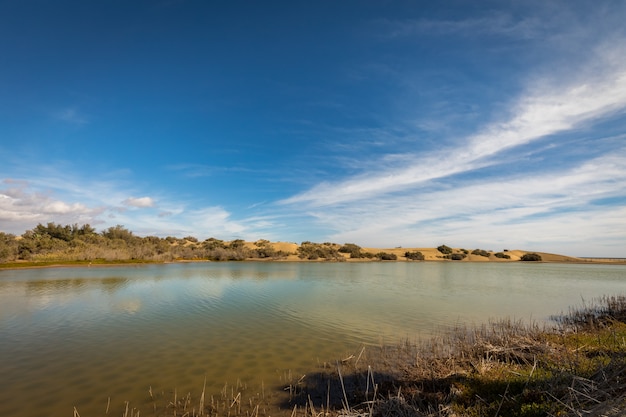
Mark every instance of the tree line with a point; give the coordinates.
(55, 242)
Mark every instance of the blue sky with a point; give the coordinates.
(494, 124)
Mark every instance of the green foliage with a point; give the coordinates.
(481, 252)
(119, 232)
(531, 257)
(353, 250)
(414, 256)
(455, 256)
(236, 244)
(314, 251)
(265, 250)
(8, 247)
(54, 231)
(502, 255)
(385, 256)
(349, 248)
(446, 250)
(57, 243)
(213, 243)
(262, 243)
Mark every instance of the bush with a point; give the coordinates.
(119, 232)
(455, 256)
(352, 249)
(384, 256)
(213, 243)
(8, 247)
(236, 244)
(480, 252)
(446, 250)
(502, 255)
(531, 257)
(414, 256)
(313, 251)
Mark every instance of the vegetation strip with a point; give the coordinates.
(54, 244)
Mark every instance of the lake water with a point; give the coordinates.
(77, 336)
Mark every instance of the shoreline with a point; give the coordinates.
(291, 259)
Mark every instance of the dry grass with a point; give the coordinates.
(504, 368)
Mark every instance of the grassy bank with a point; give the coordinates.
(577, 367)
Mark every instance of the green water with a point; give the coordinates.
(75, 337)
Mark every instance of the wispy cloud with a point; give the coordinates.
(545, 110)
(193, 170)
(559, 208)
(139, 202)
(454, 192)
(496, 23)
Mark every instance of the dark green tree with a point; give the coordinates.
(446, 250)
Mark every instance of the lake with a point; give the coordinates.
(79, 336)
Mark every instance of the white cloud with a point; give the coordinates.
(436, 196)
(22, 207)
(558, 210)
(564, 212)
(547, 109)
(60, 197)
(140, 202)
(60, 207)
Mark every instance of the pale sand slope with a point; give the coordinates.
(430, 254)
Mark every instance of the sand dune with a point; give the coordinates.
(430, 254)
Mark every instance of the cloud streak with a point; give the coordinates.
(544, 111)
(139, 202)
(494, 24)
(563, 209)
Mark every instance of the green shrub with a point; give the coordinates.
(446, 250)
(502, 255)
(480, 252)
(455, 256)
(414, 256)
(313, 251)
(352, 249)
(384, 256)
(531, 257)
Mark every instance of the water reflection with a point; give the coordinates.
(75, 336)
